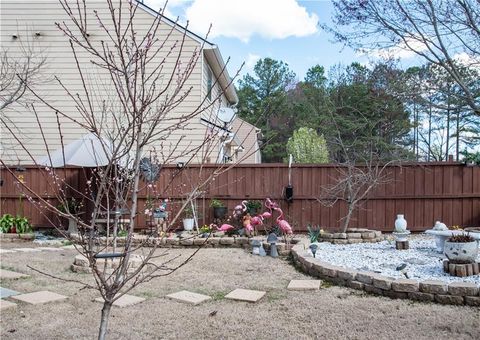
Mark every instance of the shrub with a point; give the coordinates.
(215, 203)
(307, 146)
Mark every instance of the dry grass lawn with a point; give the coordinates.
(331, 313)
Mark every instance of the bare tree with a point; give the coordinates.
(358, 175)
(17, 73)
(133, 128)
(441, 32)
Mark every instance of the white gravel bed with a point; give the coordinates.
(423, 262)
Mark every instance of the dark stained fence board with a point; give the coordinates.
(423, 192)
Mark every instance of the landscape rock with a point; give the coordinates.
(405, 285)
(433, 287)
(463, 288)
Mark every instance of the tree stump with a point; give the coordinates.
(401, 245)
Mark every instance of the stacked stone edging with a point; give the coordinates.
(10, 237)
(353, 235)
(456, 293)
(192, 240)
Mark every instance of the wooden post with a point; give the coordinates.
(401, 245)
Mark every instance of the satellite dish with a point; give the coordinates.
(226, 114)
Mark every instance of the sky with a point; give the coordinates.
(247, 30)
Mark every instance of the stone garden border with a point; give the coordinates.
(457, 293)
(351, 236)
(10, 237)
(192, 240)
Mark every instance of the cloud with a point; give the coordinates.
(403, 50)
(251, 61)
(467, 59)
(271, 19)
(158, 5)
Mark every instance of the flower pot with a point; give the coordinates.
(400, 224)
(188, 224)
(219, 212)
(461, 252)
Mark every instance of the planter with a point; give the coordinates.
(219, 212)
(461, 252)
(188, 224)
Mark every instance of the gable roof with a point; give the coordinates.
(210, 51)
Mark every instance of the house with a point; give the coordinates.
(245, 145)
(31, 24)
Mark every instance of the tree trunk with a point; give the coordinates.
(348, 217)
(107, 306)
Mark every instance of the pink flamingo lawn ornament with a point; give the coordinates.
(283, 224)
(240, 209)
(226, 227)
(257, 221)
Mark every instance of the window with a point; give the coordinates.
(209, 84)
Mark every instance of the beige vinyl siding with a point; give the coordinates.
(24, 18)
(246, 135)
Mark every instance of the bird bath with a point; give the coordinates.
(442, 235)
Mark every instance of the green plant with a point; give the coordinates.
(253, 206)
(22, 225)
(313, 233)
(122, 233)
(307, 146)
(461, 238)
(205, 229)
(6, 223)
(70, 206)
(215, 203)
(471, 157)
(188, 212)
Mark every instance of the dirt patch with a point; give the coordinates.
(332, 312)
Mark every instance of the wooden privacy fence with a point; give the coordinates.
(423, 192)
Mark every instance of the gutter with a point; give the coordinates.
(214, 58)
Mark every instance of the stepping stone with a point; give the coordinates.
(189, 297)
(245, 295)
(39, 297)
(6, 251)
(8, 274)
(4, 304)
(125, 301)
(68, 247)
(50, 248)
(304, 285)
(27, 250)
(4, 293)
